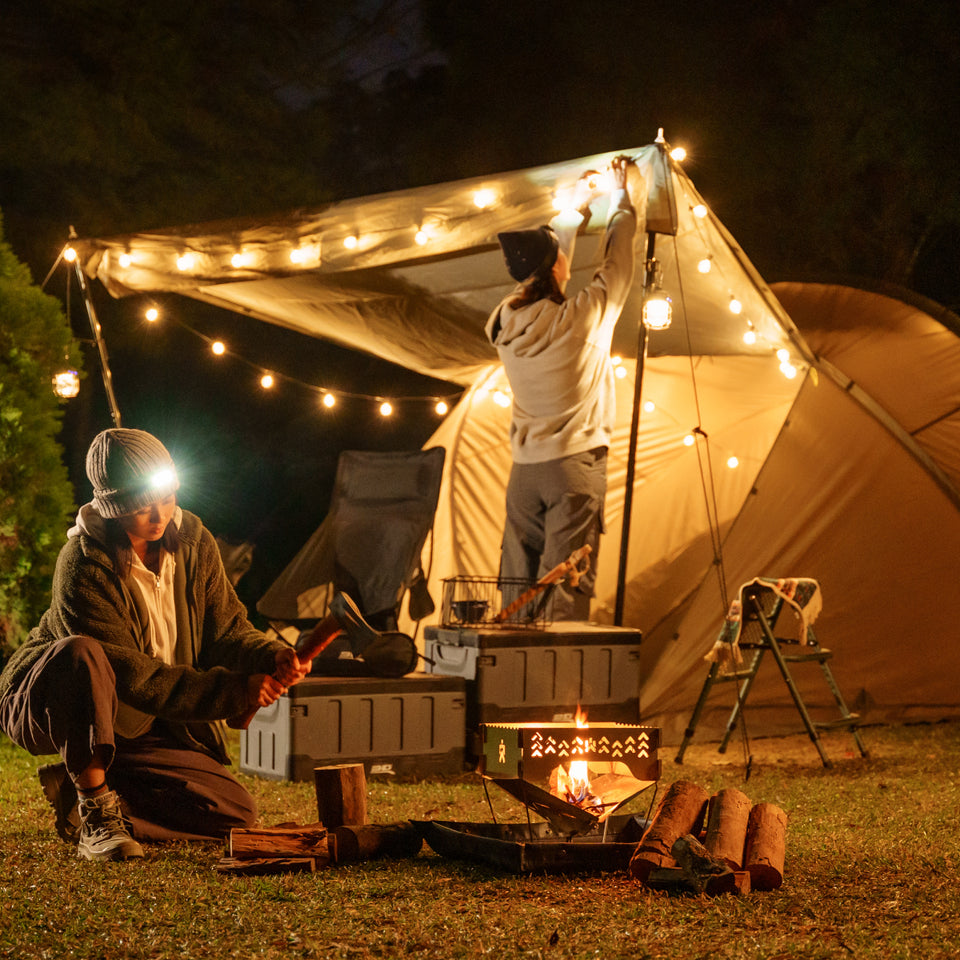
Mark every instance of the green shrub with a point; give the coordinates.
(36, 498)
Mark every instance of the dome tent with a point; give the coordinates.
(847, 473)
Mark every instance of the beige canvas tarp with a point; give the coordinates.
(848, 472)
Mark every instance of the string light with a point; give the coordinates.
(679, 154)
(700, 211)
(733, 462)
(482, 199)
(266, 381)
(705, 265)
(329, 401)
(185, 262)
(736, 306)
(421, 237)
(386, 409)
(649, 406)
(243, 258)
(501, 399)
(441, 407)
(151, 314)
(218, 347)
(69, 254)
(351, 242)
(124, 260)
(750, 336)
(66, 384)
(689, 440)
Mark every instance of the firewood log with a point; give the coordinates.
(727, 816)
(267, 866)
(279, 842)
(680, 812)
(370, 840)
(341, 794)
(765, 847)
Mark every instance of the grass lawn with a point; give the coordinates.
(872, 870)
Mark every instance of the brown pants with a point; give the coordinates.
(67, 703)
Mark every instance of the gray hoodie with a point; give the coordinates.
(557, 355)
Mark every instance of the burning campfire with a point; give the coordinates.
(575, 776)
(572, 783)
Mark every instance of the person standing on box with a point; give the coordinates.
(556, 353)
(143, 654)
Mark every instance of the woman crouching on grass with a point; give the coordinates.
(143, 654)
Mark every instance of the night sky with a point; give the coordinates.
(822, 134)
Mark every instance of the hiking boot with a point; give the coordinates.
(358, 631)
(103, 834)
(61, 794)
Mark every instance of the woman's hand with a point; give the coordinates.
(263, 689)
(618, 172)
(290, 669)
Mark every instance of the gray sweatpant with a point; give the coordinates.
(67, 703)
(553, 508)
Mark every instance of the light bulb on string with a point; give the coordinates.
(484, 198)
(788, 370)
(733, 462)
(649, 406)
(386, 409)
(441, 408)
(750, 336)
(351, 242)
(329, 401)
(421, 237)
(185, 262)
(266, 381)
(151, 314)
(66, 384)
(218, 348)
(69, 254)
(125, 260)
(679, 154)
(700, 211)
(689, 440)
(705, 265)
(783, 355)
(501, 399)
(736, 307)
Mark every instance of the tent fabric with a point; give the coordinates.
(847, 473)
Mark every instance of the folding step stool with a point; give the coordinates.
(761, 607)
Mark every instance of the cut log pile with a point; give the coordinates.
(340, 835)
(720, 844)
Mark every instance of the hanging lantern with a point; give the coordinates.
(657, 306)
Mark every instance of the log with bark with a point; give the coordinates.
(727, 816)
(765, 847)
(680, 812)
(370, 840)
(341, 792)
(251, 843)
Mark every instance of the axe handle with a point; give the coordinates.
(568, 567)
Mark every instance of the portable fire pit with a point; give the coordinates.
(575, 777)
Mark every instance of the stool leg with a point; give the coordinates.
(697, 710)
(741, 700)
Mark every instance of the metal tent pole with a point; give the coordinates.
(101, 344)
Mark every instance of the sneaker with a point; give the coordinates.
(61, 794)
(103, 834)
(358, 631)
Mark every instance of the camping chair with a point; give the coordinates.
(754, 624)
(369, 545)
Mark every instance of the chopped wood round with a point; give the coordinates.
(727, 815)
(341, 794)
(766, 846)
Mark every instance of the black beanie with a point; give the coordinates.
(529, 251)
(129, 470)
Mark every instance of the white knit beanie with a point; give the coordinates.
(129, 470)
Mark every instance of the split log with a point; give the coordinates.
(279, 842)
(266, 867)
(766, 845)
(341, 794)
(695, 860)
(680, 812)
(727, 816)
(370, 840)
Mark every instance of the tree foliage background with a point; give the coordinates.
(820, 131)
(35, 493)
